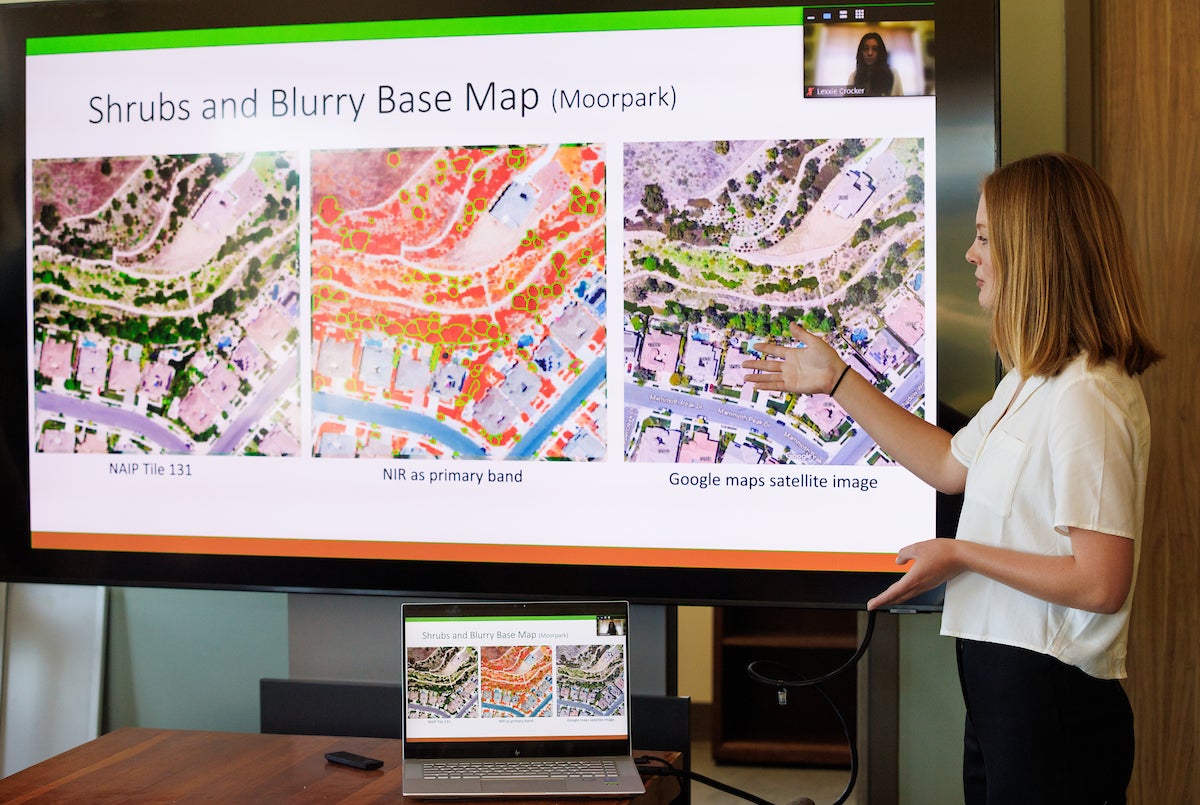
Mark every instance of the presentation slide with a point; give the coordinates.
(480, 289)
(470, 678)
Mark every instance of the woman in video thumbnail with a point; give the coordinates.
(872, 72)
(1041, 575)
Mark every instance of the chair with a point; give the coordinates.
(319, 707)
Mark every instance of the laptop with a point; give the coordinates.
(517, 699)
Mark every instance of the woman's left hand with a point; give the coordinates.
(934, 562)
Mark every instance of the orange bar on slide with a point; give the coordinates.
(468, 552)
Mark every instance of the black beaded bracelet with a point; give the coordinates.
(839, 380)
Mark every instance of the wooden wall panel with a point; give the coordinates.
(1147, 140)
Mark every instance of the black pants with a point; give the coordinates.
(1041, 731)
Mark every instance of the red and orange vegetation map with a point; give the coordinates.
(516, 681)
(458, 302)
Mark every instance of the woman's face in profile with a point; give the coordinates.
(980, 256)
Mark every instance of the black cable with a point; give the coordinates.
(782, 685)
(666, 769)
(850, 742)
(802, 682)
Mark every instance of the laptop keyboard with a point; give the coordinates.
(517, 769)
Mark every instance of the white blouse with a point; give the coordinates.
(1071, 451)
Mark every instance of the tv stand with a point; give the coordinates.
(749, 725)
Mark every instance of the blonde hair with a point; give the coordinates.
(1066, 283)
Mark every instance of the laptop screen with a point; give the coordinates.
(516, 679)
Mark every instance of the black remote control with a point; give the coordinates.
(351, 759)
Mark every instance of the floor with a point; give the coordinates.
(779, 785)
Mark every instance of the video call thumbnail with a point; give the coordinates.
(881, 58)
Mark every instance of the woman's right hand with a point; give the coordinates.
(809, 369)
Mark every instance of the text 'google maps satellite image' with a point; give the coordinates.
(726, 244)
(165, 300)
(458, 303)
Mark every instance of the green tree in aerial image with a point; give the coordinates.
(653, 199)
(49, 218)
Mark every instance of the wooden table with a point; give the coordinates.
(142, 765)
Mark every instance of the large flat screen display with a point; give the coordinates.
(326, 298)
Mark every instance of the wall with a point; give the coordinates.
(1032, 78)
(52, 660)
(695, 628)
(191, 659)
(1147, 120)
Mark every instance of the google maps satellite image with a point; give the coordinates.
(726, 244)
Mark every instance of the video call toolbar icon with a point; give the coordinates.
(841, 14)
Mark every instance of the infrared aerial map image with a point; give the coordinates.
(459, 301)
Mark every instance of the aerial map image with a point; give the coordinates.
(729, 242)
(591, 680)
(517, 681)
(443, 682)
(165, 300)
(459, 303)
